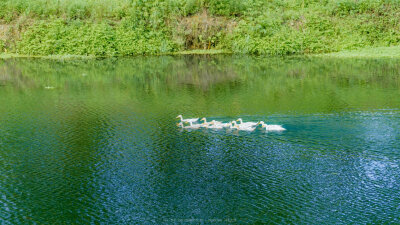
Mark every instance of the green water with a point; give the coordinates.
(95, 141)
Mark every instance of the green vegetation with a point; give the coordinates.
(381, 52)
(132, 27)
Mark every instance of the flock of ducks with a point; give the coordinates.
(195, 123)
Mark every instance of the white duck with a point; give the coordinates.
(218, 125)
(180, 124)
(246, 124)
(187, 120)
(204, 122)
(271, 127)
(232, 125)
(244, 127)
(190, 126)
(194, 126)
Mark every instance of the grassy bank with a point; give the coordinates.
(132, 27)
(379, 52)
(4, 55)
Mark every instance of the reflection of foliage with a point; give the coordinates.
(270, 83)
(199, 71)
(142, 72)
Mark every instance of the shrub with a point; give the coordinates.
(2, 45)
(202, 31)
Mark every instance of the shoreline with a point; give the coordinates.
(392, 52)
(62, 57)
(369, 52)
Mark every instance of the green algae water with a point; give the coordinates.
(96, 141)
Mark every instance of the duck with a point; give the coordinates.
(190, 126)
(243, 126)
(240, 122)
(193, 120)
(203, 119)
(180, 124)
(267, 127)
(218, 125)
(194, 126)
(259, 125)
(204, 122)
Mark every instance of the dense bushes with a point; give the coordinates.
(130, 27)
(319, 26)
(87, 38)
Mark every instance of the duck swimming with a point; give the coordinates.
(204, 122)
(180, 124)
(190, 126)
(192, 123)
(267, 127)
(218, 125)
(240, 122)
(244, 126)
(187, 120)
(194, 126)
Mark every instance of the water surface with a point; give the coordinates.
(95, 141)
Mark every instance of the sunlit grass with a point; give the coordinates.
(378, 52)
(202, 52)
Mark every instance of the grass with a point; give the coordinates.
(58, 57)
(202, 52)
(66, 57)
(379, 52)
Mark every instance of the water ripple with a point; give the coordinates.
(108, 151)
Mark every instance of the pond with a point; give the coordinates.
(96, 141)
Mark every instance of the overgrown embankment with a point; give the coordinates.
(131, 27)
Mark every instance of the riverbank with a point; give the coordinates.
(127, 28)
(379, 52)
(66, 57)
